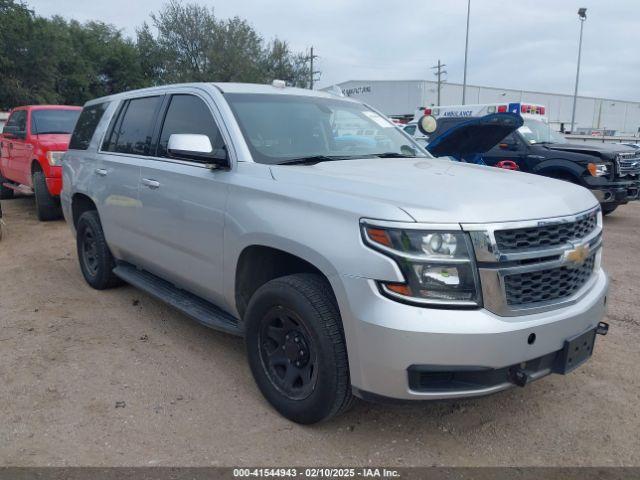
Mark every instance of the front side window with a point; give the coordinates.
(53, 121)
(17, 121)
(86, 126)
(188, 114)
(133, 127)
(285, 128)
(536, 131)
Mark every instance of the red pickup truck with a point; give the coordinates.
(32, 144)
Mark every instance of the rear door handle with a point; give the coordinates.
(151, 183)
(101, 171)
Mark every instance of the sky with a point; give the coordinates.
(521, 44)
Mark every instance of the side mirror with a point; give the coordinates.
(508, 146)
(13, 132)
(198, 148)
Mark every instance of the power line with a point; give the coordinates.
(439, 73)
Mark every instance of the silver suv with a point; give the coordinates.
(352, 262)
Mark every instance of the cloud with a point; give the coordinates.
(528, 44)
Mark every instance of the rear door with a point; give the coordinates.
(183, 202)
(116, 175)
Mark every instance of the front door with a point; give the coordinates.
(509, 153)
(183, 204)
(16, 151)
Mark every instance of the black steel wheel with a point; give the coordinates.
(96, 260)
(286, 353)
(296, 348)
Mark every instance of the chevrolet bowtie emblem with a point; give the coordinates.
(577, 256)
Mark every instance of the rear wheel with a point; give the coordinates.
(607, 209)
(296, 348)
(47, 206)
(96, 261)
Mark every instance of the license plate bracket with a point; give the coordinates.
(575, 352)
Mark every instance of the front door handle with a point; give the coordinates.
(101, 171)
(151, 183)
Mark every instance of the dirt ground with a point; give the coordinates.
(69, 355)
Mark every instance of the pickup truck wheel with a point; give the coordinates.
(47, 206)
(296, 348)
(96, 261)
(607, 209)
(5, 192)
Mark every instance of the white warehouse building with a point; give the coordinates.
(400, 98)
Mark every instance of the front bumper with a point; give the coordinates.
(619, 193)
(385, 339)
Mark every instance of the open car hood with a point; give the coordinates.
(474, 136)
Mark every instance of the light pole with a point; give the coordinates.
(466, 51)
(582, 15)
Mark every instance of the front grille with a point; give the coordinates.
(628, 164)
(545, 236)
(547, 285)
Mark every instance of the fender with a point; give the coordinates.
(554, 166)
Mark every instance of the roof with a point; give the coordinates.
(224, 88)
(47, 107)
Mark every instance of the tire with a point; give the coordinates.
(607, 209)
(96, 261)
(47, 206)
(296, 348)
(5, 192)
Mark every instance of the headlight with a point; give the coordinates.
(599, 169)
(54, 158)
(438, 266)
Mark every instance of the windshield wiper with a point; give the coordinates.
(313, 159)
(392, 155)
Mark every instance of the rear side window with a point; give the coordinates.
(188, 114)
(133, 128)
(86, 126)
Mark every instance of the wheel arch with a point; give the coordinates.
(258, 263)
(81, 203)
(561, 169)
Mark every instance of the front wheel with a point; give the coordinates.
(296, 348)
(47, 206)
(607, 209)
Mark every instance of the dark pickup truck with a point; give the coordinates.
(610, 171)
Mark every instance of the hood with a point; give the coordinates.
(591, 148)
(438, 190)
(474, 136)
(54, 141)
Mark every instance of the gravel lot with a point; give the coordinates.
(69, 355)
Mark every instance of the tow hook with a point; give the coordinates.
(602, 328)
(520, 377)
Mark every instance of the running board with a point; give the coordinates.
(17, 187)
(191, 305)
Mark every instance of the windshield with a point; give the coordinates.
(53, 121)
(285, 128)
(536, 131)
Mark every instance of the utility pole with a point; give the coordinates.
(312, 72)
(438, 73)
(466, 51)
(582, 16)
